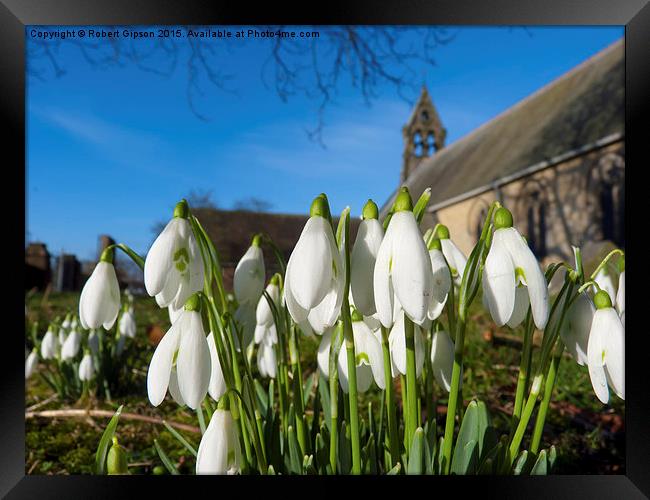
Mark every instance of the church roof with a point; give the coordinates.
(579, 108)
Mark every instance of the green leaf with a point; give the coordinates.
(105, 441)
(199, 413)
(165, 459)
(421, 205)
(262, 396)
(180, 438)
(461, 462)
(487, 436)
(307, 389)
(540, 468)
(322, 452)
(324, 391)
(552, 455)
(415, 455)
(395, 470)
(520, 463)
(345, 449)
(271, 471)
(294, 452)
(369, 451)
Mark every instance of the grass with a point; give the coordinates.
(589, 437)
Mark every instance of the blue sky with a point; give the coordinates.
(110, 150)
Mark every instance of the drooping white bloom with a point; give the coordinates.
(86, 368)
(248, 281)
(219, 451)
(217, 386)
(508, 263)
(266, 360)
(362, 264)
(315, 275)
(265, 325)
(323, 355)
(245, 318)
(369, 359)
(620, 295)
(49, 345)
(126, 326)
(30, 364)
(606, 350)
(441, 283)
(403, 271)
(456, 259)
(99, 303)
(397, 344)
(71, 345)
(442, 358)
(62, 336)
(576, 327)
(66, 322)
(185, 344)
(173, 269)
(173, 313)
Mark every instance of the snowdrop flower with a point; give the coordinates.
(173, 269)
(369, 357)
(217, 386)
(245, 318)
(576, 327)
(403, 268)
(86, 367)
(62, 336)
(173, 313)
(219, 451)
(248, 281)
(100, 298)
(93, 342)
(49, 345)
(184, 345)
(66, 322)
(397, 345)
(266, 360)
(31, 363)
(315, 276)
(265, 326)
(442, 358)
(606, 350)
(441, 280)
(126, 326)
(362, 260)
(74, 323)
(71, 345)
(508, 263)
(455, 258)
(620, 296)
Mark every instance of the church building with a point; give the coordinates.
(556, 160)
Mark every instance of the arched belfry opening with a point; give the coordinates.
(423, 135)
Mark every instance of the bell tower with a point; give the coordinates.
(423, 135)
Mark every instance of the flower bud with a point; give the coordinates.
(116, 460)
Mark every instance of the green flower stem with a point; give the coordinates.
(393, 436)
(352, 386)
(453, 395)
(605, 260)
(244, 430)
(524, 368)
(298, 393)
(215, 268)
(548, 392)
(130, 252)
(411, 383)
(334, 396)
(539, 375)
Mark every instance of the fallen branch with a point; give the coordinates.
(79, 413)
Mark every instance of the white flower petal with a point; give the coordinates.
(522, 303)
(499, 280)
(382, 283)
(297, 312)
(193, 364)
(217, 386)
(161, 365)
(212, 455)
(411, 274)
(362, 265)
(576, 327)
(620, 295)
(456, 259)
(599, 382)
(442, 358)
(158, 264)
(248, 281)
(323, 356)
(173, 387)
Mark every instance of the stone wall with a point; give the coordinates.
(577, 202)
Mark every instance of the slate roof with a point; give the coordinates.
(579, 108)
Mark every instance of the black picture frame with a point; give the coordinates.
(633, 14)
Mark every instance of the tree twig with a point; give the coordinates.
(80, 413)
